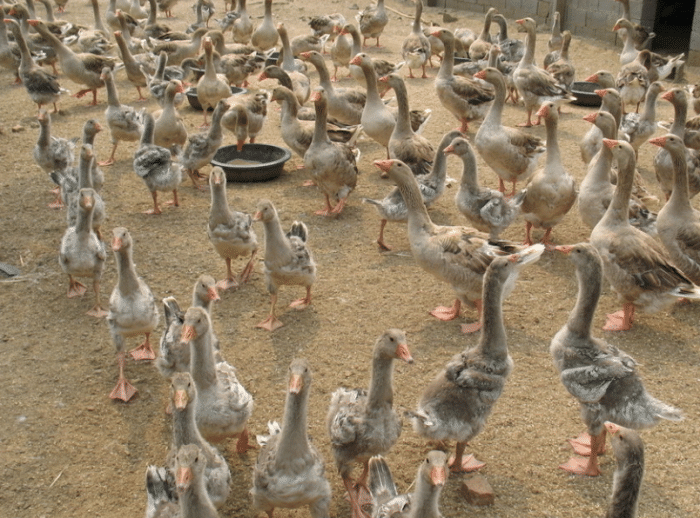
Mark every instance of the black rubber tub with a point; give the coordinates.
(585, 93)
(194, 100)
(254, 163)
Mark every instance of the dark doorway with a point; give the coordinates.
(672, 24)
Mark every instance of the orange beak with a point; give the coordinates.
(384, 165)
(591, 117)
(257, 216)
(239, 144)
(543, 111)
(180, 399)
(592, 79)
(183, 479)
(438, 475)
(403, 353)
(449, 149)
(481, 74)
(601, 92)
(262, 76)
(564, 249)
(315, 96)
(610, 143)
(117, 244)
(305, 55)
(356, 60)
(295, 384)
(617, 27)
(188, 334)
(668, 96)
(213, 294)
(658, 141)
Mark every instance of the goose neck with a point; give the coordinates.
(589, 287)
(293, 441)
(493, 332)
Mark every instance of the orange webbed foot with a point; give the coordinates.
(468, 464)
(471, 328)
(617, 321)
(226, 284)
(270, 323)
(76, 289)
(97, 312)
(124, 390)
(445, 313)
(580, 466)
(143, 352)
(300, 303)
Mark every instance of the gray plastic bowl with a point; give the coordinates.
(191, 93)
(585, 93)
(270, 160)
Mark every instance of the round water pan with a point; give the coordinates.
(254, 163)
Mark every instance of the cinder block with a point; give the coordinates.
(694, 58)
(543, 9)
(528, 7)
(576, 18)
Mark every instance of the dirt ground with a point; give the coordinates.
(70, 451)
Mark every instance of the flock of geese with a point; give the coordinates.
(650, 260)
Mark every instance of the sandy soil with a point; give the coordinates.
(68, 450)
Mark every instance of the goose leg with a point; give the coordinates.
(75, 288)
(271, 323)
(356, 508)
(110, 160)
(461, 464)
(302, 303)
(620, 320)
(528, 237)
(588, 467)
(124, 390)
(242, 445)
(582, 445)
(380, 240)
(446, 313)
(327, 210)
(229, 281)
(546, 241)
(248, 270)
(97, 310)
(474, 326)
(143, 351)
(156, 208)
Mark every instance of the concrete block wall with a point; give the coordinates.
(584, 18)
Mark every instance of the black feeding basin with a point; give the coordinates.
(194, 100)
(585, 93)
(254, 163)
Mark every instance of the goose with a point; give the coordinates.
(332, 166)
(596, 190)
(416, 46)
(295, 81)
(456, 255)
(638, 267)
(155, 166)
(431, 185)
(193, 498)
(628, 450)
(344, 104)
(628, 52)
(510, 152)
(678, 223)
(561, 68)
(85, 180)
(306, 43)
(603, 77)
(202, 147)
(255, 106)
(465, 98)
(42, 86)
(124, 122)
(459, 400)
(290, 471)
(157, 83)
(556, 40)
(637, 128)
(243, 27)
(406, 145)
(173, 355)
(178, 51)
(297, 134)
(223, 404)
(381, 66)
(51, 153)
(424, 501)
(10, 57)
(601, 377)
(132, 311)
(288, 260)
(183, 403)
(534, 84)
(329, 24)
(341, 52)
(372, 20)
(133, 68)
(592, 141)
(230, 232)
(169, 129)
(487, 210)
(551, 191)
(632, 81)
(640, 35)
(511, 48)
(211, 87)
(363, 423)
(265, 36)
(82, 254)
(663, 166)
(480, 47)
(83, 68)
